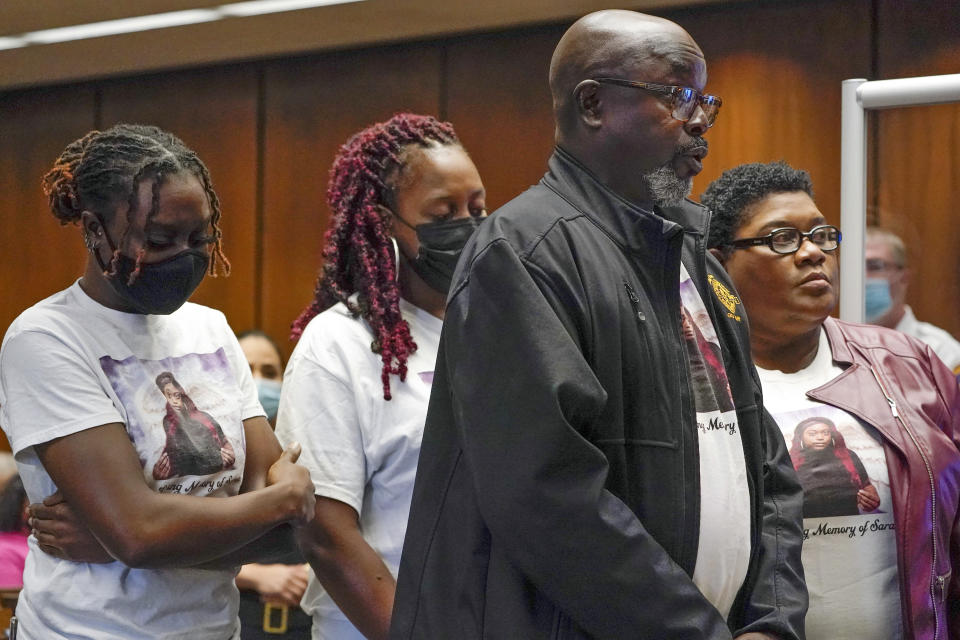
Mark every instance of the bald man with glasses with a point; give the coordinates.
(596, 461)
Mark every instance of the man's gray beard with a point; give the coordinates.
(665, 187)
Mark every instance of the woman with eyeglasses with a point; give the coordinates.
(892, 568)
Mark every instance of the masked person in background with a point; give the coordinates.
(888, 277)
(266, 366)
(270, 593)
(405, 198)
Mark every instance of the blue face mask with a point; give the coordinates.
(269, 394)
(877, 298)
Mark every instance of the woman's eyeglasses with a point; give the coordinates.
(788, 239)
(684, 99)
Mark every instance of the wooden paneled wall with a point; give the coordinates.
(268, 131)
(779, 73)
(916, 168)
(38, 257)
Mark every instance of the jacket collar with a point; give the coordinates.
(868, 403)
(622, 219)
(838, 346)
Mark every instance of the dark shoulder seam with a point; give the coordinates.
(527, 252)
(580, 214)
(524, 258)
(466, 279)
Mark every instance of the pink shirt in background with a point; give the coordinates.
(13, 554)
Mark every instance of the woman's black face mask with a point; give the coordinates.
(441, 244)
(160, 287)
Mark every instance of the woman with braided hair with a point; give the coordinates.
(128, 543)
(405, 198)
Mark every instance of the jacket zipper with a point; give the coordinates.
(942, 586)
(934, 578)
(635, 301)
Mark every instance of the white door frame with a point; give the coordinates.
(858, 95)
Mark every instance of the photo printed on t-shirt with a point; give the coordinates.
(183, 416)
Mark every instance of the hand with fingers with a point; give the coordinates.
(227, 455)
(276, 583)
(163, 469)
(60, 534)
(868, 499)
(295, 479)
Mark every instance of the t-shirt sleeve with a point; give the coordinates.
(318, 410)
(50, 390)
(250, 406)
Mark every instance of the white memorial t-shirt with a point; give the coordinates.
(182, 387)
(849, 553)
(723, 550)
(360, 449)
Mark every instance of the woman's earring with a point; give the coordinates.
(89, 242)
(396, 259)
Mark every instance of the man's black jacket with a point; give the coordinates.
(558, 491)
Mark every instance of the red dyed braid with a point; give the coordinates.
(357, 253)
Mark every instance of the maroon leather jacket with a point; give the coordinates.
(896, 384)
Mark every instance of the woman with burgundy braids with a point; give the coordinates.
(405, 198)
(129, 543)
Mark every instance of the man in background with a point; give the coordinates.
(888, 277)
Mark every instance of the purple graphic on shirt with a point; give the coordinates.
(183, 416)
(426, 376)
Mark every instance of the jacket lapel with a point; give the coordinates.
(871, 406)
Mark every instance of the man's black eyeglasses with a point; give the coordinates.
(788, 240)
(684, 99)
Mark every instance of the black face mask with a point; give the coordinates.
(160, 287)
(441, 244)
